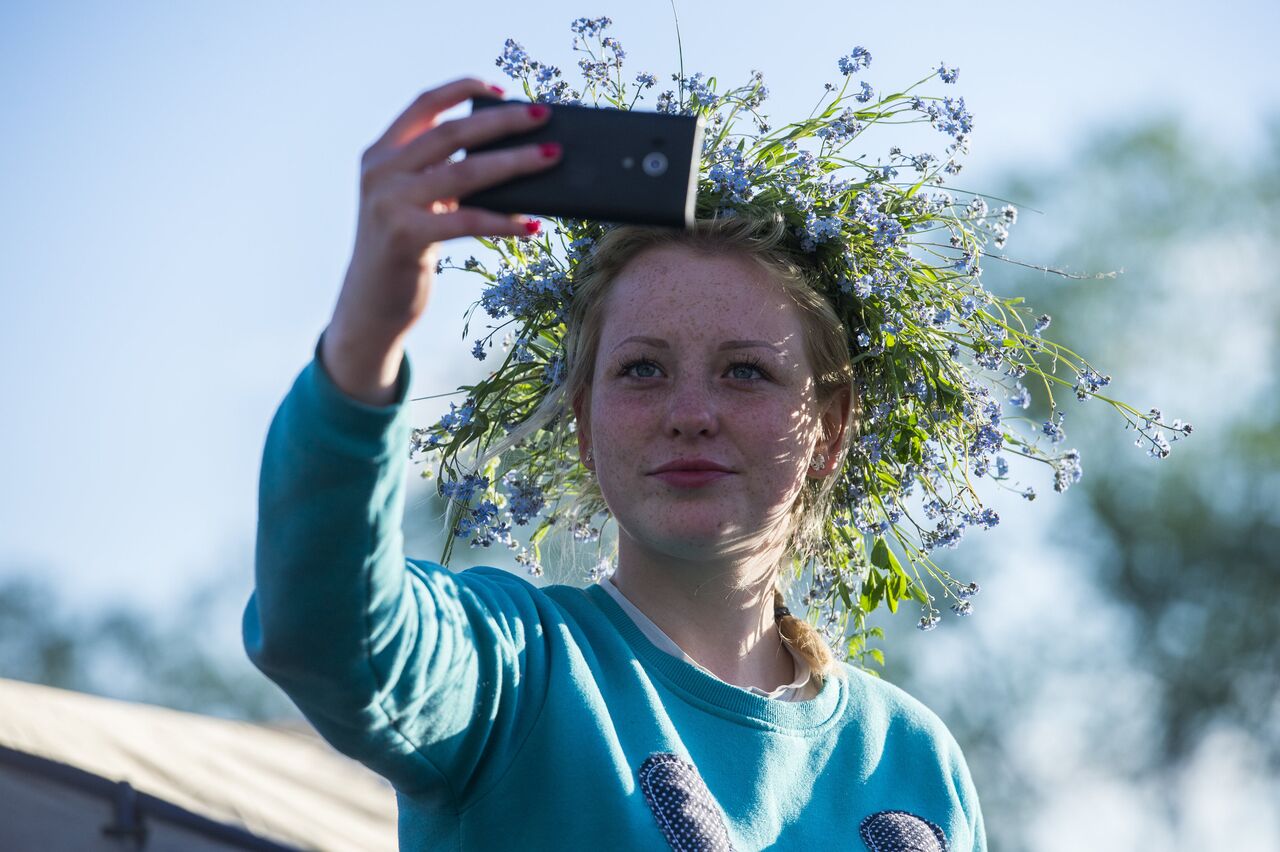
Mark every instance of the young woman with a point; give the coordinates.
(675, 704)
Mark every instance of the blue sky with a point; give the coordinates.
(180, 200)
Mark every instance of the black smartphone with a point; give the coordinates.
(616, 165)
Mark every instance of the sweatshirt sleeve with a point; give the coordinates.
(419, 673)
(967, 794)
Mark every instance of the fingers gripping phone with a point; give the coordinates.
(621, 166)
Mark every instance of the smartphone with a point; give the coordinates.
(621, 166)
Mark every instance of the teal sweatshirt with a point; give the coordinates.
(509, 716)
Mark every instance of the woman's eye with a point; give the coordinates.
(748, 366)
(641, 364)
(740, 370)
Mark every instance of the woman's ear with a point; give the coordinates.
(835, 419)
(582, 419)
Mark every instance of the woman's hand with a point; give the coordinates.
(409, 192)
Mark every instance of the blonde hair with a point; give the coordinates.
(756, 236)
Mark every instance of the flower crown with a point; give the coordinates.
(941, 359)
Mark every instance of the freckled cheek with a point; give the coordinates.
(624, 413)
(782, 424)
(778, 475)
(763, 429)
(623, 424)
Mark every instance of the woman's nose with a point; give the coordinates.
(691, 409)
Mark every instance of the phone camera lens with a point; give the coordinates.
(654, 164)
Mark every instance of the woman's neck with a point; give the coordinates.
(722, 619)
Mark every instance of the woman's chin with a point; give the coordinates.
(691, 537)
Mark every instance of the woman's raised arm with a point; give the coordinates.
(412, 669)
(409, 193)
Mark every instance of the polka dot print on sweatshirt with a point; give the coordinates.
(686, 812)
(692, 821)
(899, 831)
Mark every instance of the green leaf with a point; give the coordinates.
(882, 557)
(873, 590)
(880, 554)
(540, 534)
(844, 594)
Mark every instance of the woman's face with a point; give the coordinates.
(701, 357)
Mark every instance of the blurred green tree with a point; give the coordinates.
(120, 652)
(1186, 545)
(1180, 554)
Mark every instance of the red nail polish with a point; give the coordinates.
(539, 110)
(497, 90)
(532, 226)
(549, 149)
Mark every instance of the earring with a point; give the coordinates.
(819, 462)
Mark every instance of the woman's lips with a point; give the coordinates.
(691, 478)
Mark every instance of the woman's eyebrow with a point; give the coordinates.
(639, 338)
(748, 344)
(728, 344)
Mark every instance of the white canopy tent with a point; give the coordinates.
(85, 773)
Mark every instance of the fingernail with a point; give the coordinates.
(531, 226)
(538, 110)
(549, 149)
(497, 90)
